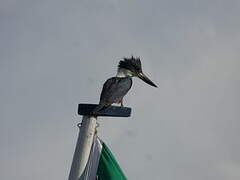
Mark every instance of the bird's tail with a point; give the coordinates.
(99, 108)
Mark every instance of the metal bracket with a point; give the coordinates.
(112, 111)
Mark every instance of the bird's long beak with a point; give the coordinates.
(146, 79)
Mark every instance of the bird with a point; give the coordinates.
(115, 88)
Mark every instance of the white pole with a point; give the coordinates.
(83, 147)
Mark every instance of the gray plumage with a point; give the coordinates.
(114, 89)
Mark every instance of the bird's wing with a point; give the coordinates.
(114, 89)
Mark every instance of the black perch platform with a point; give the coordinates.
(113, 111)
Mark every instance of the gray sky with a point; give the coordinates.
(55, 54)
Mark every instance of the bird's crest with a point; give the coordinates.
(133, 64)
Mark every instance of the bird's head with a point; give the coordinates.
(132, 67)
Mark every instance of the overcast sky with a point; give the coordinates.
(55, 54)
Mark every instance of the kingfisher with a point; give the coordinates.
(115, 88)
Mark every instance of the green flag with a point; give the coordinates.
(101, 164)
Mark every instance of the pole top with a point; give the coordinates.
(112, 111)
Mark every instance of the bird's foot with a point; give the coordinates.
(122, 104)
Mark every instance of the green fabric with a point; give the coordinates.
(108, 168)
